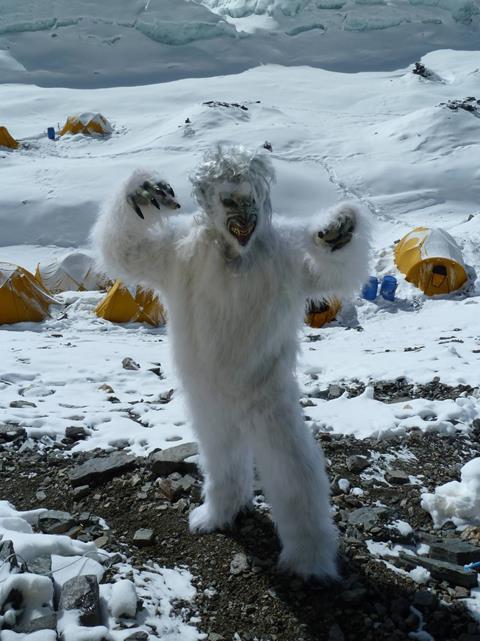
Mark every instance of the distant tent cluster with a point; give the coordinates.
(25, 297)
(87, 124)
(429, 258)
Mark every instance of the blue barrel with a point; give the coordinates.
(51, 133)
(370, 289)
(388, 287)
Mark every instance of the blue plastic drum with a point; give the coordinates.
(370, 289)
(388, 287)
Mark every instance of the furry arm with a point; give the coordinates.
(336, 253)
(135, 249)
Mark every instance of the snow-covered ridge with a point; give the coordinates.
(86, 44)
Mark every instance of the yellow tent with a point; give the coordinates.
(122, 305)
(22, 298)
(75, 272)
(6, 140)
(88, 124)
(320, 312)
(431, 260)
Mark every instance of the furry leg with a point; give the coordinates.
(292, 470)
(227, 464)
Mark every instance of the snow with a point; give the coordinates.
(123, 599)
(156, 587)
(420, 575)
(333, 138)
(456, 501)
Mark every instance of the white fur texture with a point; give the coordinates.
(234, 318)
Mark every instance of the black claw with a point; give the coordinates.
(137, 209)
(154, 202)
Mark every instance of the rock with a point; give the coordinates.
(76, 433)
(10, 433)
(455, 551)
(355, 596)
(123, 602)
(334, 391)
(40, 495)
(425, 599)
(144, 537)
(81, 491)
(443, 571)
(397, 477)
(41, 565)
(44, 622)
(166, 397)
(335, 633)
(356, 464)
(213, 636)
(471, 534)
(368, 517)
(461, 593)
(21, 404)
(170, 490)
(82, 593)
(7, 554)
(55, 522)
(239, 564)
(172, 459)
(120, 443)
(129, 363)
(140, 635)
(100, 469)
(102, 541)
(106, 388)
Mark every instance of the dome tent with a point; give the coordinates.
(22, 298)
(87, 123)
(431, 260)
(125, 305)
(6, 140)
(318, 313)
(75, 272)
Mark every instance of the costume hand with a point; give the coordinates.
(339, 231)
(152, 193)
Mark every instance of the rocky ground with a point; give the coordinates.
(240, 595)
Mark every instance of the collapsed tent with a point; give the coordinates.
(22, 298)
(90, 124)
(320, 312)
(124, 305)
(431, 260)
(6, 140)
(75, 272)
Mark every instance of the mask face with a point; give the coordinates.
(240, 213)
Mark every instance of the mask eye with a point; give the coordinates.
(228, 202)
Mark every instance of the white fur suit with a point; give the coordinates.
(235, 288)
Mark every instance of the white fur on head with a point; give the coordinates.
(233, 164)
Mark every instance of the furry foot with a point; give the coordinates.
(152, 193)
(204, 519)
(340, 230)
(309, 567)
(319, 563)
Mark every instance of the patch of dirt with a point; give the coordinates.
(252, 601)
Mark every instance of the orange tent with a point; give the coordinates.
(88, 124)
(122, 305)
(6, 140)
(320, 312)
(22, 298)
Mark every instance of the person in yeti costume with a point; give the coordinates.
(235, 287)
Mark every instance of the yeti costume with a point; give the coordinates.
(235, 288)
